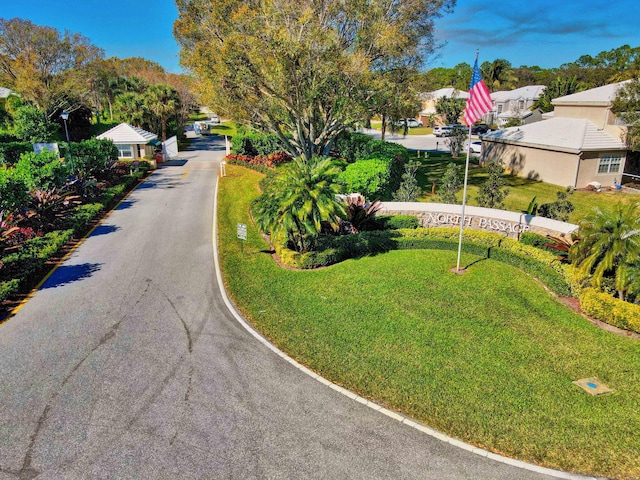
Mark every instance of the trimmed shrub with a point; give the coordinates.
(254, 144)
(371, 178)
(84, 214)
(8, 288)
(42, 171)
(613, 311)
(13, 190)
(10, 152)
(91, 157)
(393, 222)
(353, 146)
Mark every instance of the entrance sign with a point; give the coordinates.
(242, 231)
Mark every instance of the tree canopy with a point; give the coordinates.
(627, 106)
(301, 67)
(45, 66)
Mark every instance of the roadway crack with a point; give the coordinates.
(27, 472)
(182, 321)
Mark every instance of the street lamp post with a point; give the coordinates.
(65, 117)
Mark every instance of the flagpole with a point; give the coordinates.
(478, 103)
(464, 200)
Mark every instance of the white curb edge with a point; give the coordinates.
(389, 413)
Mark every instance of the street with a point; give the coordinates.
(127, 364)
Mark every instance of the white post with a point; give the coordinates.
(227, 145)
(464, 200)
(223, 168)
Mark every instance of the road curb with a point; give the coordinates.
(353, 396)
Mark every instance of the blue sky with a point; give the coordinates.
(542, 32)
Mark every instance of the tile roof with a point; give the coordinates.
(562, 134)
(596, 96)
(531, 92)
(128, 134)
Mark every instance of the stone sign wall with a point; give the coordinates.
(512, 224)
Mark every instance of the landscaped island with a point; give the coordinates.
(488, 357)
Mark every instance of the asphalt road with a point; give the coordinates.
(127, 364)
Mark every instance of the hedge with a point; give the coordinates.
(255, 144)
(613, 311)
(18, 267)
(545, 267)
(10, 152)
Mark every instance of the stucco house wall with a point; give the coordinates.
(557, 168)
(589, 170)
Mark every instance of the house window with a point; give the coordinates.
(520, 104)
(125, 151)
(499, 108)
(610, 164)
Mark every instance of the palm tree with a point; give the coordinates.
(162, 101)
(609, 246)
(298, 199)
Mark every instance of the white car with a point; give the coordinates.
(475, 147)
(411, 122)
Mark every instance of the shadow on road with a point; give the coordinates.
(66, 274)
(173, 163)
(104, 230)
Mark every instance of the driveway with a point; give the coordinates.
(127, 364)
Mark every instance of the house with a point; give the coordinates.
(579, 145)
(428, 114)
(4, 94)
(508, 104)
(132, 142)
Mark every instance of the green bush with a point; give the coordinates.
(393, 222)
(42, 171)
(354, 146)
(8, 288)
(85, 214)
(33, 255)
(10, 152)
(254, 144)
(13, 190)
(91, 157)
(371, 178)
(613, 311)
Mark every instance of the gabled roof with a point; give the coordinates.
(572, 135)
(5, 92)
(530, 92)
(127, 134)
(600, 96)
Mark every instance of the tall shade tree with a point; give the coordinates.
(45, 66)
(300, 67)
(609, 246)
(298, 199)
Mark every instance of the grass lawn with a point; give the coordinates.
(487, 357)
(226, 128)
(412, 131)
(521, 190)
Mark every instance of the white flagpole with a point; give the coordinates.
(464, 200)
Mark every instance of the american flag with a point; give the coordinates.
(479, 101)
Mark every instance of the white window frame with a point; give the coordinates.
(125, 148)
(607, 162)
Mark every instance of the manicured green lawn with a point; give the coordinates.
(521, 190)
(226, 128)
(487, 357)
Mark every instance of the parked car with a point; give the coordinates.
(442, 130)
(446, 130)
(479, 129)
(411, 122)
(214, 119)
(475, 146)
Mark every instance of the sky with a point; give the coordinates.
(546, 33)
